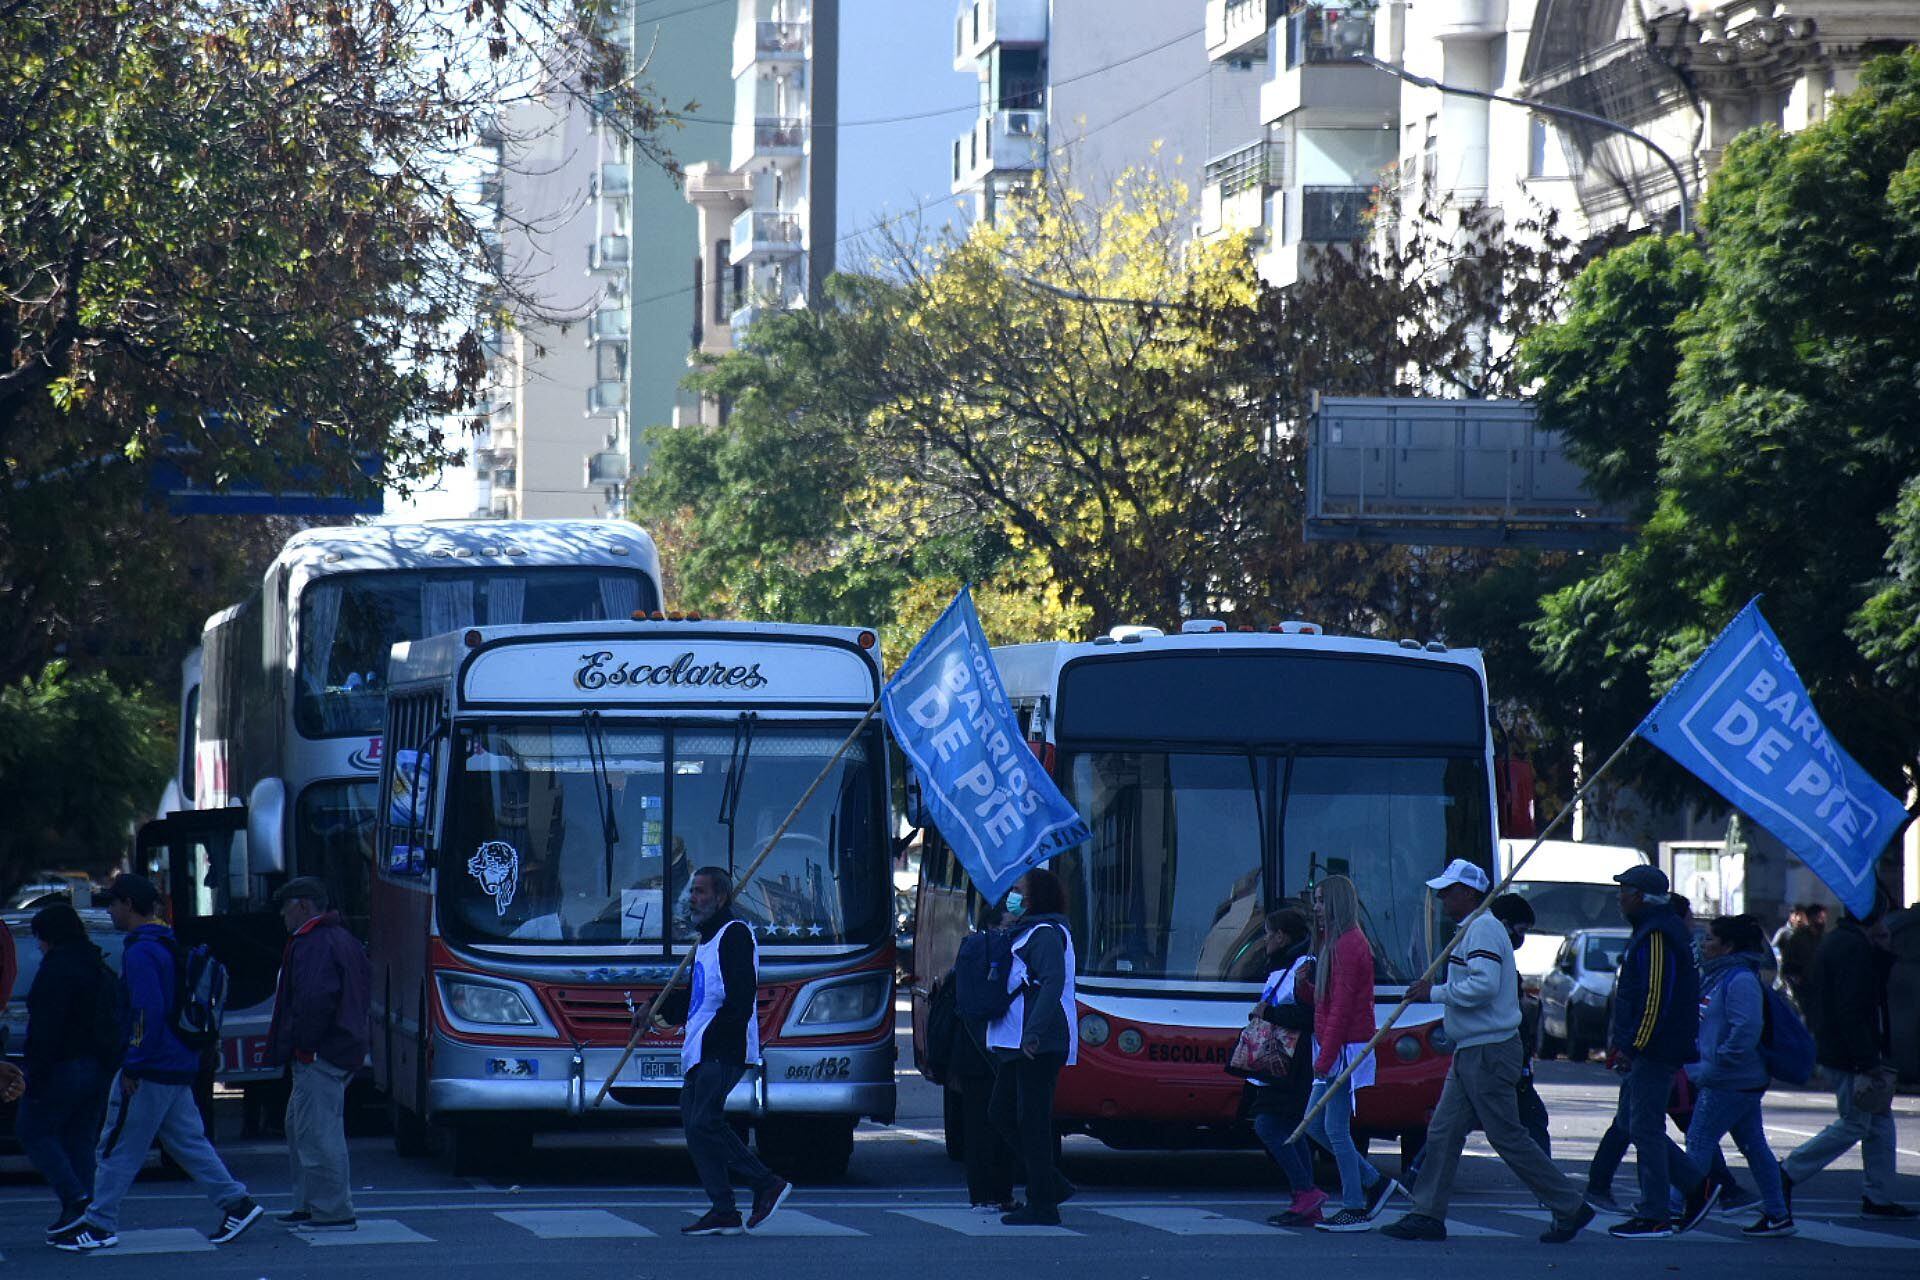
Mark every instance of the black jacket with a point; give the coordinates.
(1848, 983)
(1656, 993)
(726, 1037)
(321, 1006)
(62, 1009)
(1289, 1097)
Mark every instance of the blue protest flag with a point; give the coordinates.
(1740, 720)
(984, 789)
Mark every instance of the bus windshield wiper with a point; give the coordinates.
(731, 785)
(595, 732)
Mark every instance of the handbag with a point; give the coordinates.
(1263, 1050)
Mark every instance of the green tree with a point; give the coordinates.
(1785, 444)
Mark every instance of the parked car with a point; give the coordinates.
(1573, 993)
(1570, 886)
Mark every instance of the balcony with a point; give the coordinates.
(1321, 82)
(769, 43)
(1334, 215)
(608, 254)
(1319, 35)
(983, 24)
(607, 467)
(779, 135)
(612, 182)
(606, 398)
(759, 306)
(1237, 29)
(609, 324)
(756, 231)
(1234, 191)
(1012, 141)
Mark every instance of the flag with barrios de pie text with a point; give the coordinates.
(1740, 720)
(984, 789)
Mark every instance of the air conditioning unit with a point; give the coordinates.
(605, 397)
(609, 466)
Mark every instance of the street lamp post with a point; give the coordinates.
(1550, 109)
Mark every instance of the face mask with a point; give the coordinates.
(1016, 903)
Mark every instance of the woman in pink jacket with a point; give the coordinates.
(1342, 1025)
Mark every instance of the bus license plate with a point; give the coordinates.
(660, 1068)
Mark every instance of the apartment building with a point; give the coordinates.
(1089, 89)
(764, 219)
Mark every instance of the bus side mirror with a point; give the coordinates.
(916, 805)
(266, 827)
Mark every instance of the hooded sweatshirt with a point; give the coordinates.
(154, 1052)
(1732, 1016)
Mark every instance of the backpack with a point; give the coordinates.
(106, 1031)
(980, 971)
(199, 997)
(1786, 1046)
(943, 1023)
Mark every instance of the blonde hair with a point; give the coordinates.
(1340, 902)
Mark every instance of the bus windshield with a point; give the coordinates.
(350, 623)
(1189, 850)
(559, 834)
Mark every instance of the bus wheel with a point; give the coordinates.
(952, 1123)
(486, 1149)
(810, 1148)
(412, 1136)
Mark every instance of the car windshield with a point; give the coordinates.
(1603, 953)
(1564, 908)
(350, 623)
(1177, 875)
(560, 834)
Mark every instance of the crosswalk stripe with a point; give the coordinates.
(370, 1231)
(969, 1223)
(573, 1224)
(161, 1240)
(792, 1222)
(1852, 1237)
(1189, 1222)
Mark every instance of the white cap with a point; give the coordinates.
(1460, 871)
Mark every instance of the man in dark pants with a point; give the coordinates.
(988, 1158)
(1034, 1040)
(722, 1038)
(1656, 1017)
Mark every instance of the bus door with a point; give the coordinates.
(198, 860)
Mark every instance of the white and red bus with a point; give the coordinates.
(1223, 773)
(547, 794)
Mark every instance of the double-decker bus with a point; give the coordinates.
(549, 793)
(1222, 775)
(285, 704)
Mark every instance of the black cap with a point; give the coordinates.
(137, 892)
(311, 888)
(1646, 879)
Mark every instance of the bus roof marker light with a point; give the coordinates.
(639, 615)
(1434, 646)
(1202, 626)
(618, 550)
(473, 639)
(654, 615)
(693, 615)
(868, 640)
(1407, 643)
(675, 615)
(1295, 627)
(1135, 633)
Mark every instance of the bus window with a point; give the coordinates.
(334, 830)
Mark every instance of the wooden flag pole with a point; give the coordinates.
(644, 1022)
(1459, 933)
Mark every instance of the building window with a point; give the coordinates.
(722, 304)
(1536, 147)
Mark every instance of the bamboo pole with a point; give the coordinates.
(644, 1022)
(1459, 933)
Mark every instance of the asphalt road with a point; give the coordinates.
(613, 1204)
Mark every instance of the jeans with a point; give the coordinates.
(716, 1149)
(1874, 1133)
(988, 1157)
(58, 1123)
(1612, 1149)
(1719, 1112)
(1294, 1158)
(1332, 1129)
(166, 1112)
(317, 1140)
(1022, 1110)
(1643, 1111)
(1482, 1089)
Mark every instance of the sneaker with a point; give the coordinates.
(71, 1216)
(1028, 1216)
(84, 1238)
(1765, 1227)
(714, 1222)
(328, 1224)
(1604, 1202)
(767, 1200)
(298, 1217)
(1564, 1230)
(1346, 1222)
(994, 1208)
(1641, 1229)
(1383, 1191)
(1303, 1212)
(237, 1217)
(1416, 1226)
(1898, 1212)
(1699, 1205)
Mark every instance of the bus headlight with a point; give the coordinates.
(1094, 1030)
(1439, 1040)
(485, 1004)
(835, 1005)
(1407, 1048)
(1131, 1041)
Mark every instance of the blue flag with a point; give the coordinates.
(985, 791)
(1740, 721)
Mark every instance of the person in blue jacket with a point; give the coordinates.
(1732, 1074)
(152, 1094)
(1656, 1019)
